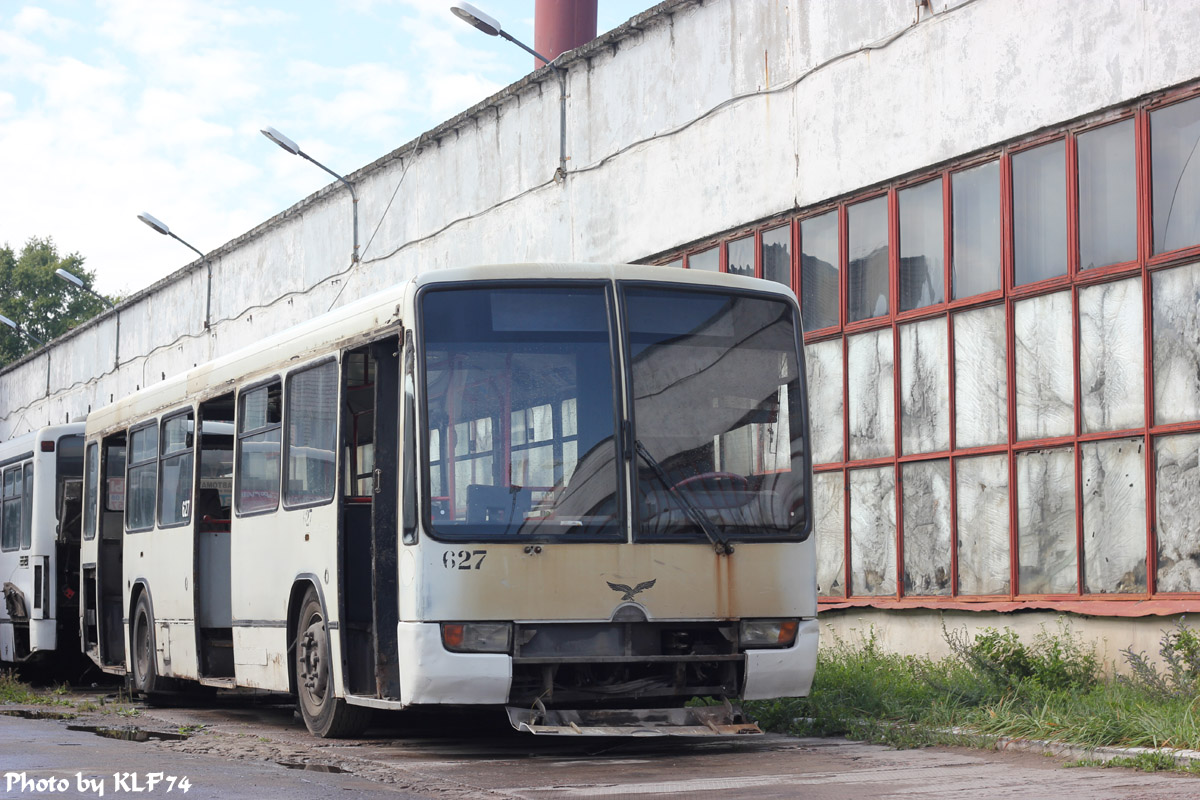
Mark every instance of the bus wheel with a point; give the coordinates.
(145, 672)
(325, 714)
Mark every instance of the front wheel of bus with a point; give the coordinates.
(324, 714)
(145, 669)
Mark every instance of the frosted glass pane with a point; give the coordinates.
(924, 387)
(1111, 371)
(1045, 369)
(777, 255)
(872, 405)
(980, 378)
(829, 511)
(983, 544)
(1114, 516)
(739, 256)
(819, 271)
(1040, 213)
(709, 260)
(1175, 175)
(922, 246)
(1177, 512)
(976, 254)
(873, 531)
(823, 364)
(1046, 560)
(1177, 344)
(927, 527)
(868, 274)
(1107, 196)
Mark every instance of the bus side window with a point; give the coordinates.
(311, 435)
(27, 509)
(91, 488)
(175, 468)
(10, 511)
(259, 422)
(142, 478)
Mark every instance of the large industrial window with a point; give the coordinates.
(1009, 407)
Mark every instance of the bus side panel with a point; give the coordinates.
(269, 553)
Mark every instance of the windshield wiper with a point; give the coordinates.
(693, 513)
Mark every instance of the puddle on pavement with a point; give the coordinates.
(25, 713)
(309, 767)
(128, 734)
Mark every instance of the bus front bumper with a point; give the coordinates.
(429, 673)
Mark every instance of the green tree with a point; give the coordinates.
(39, 301)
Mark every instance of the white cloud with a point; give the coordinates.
(35, 20)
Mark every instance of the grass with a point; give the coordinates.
(995, 685)
(13, 691)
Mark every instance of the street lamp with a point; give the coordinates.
(5, 320)
(293, 148)
(75, 280)
(161, 227)
(491, 26)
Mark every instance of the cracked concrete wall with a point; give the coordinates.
(692, 119)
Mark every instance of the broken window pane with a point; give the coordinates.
(976, 224)
(1046, 557)
(777, 255)
(980, 377)
(829, 512)
(819, 271)
(1177, 512)
(868, 224)
(872, 406)
(873, 532)
(823, 363)
(922, 246)
(1176, 344)
(1107, 196)
(1114, 516)
(983, 544)
(1111, 362)
(926, 527)
(1175, 175)
(1045, 383)
(1040, 213)
(924, 387)
(740, 256)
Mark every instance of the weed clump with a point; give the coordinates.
(1180, 651)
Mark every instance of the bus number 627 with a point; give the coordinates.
(463, 559)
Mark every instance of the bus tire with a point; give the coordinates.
(325, 715)
(143, 666)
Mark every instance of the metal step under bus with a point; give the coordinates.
(724, 720)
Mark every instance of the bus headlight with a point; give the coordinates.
(768, 632)
(477, 637)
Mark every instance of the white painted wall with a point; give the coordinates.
(695, 118)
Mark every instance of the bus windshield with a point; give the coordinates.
(718, 414)
(520, 412)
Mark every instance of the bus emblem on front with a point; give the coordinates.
(629, 593)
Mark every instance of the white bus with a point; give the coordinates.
(40, 479)
(578, 492)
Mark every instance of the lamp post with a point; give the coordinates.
(491, 26)
(76, 281)
(287, 144)
(6, 321)
(161, 227)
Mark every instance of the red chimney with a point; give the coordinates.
(562, 25)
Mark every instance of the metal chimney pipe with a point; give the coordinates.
(562, 25)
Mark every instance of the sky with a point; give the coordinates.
(110, 108)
